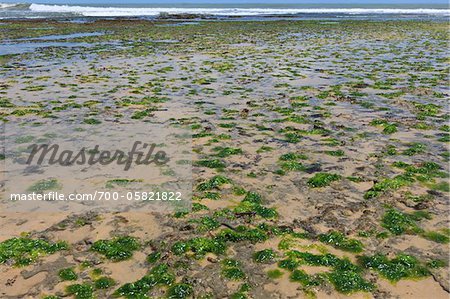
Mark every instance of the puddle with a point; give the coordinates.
(20, 48)
(169, 41)
(42, 28)
(60, 36)
(178, 24)
(26, 45)
(78, 21)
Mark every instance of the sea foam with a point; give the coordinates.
(91, 11)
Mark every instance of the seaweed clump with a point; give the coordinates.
(398, 222)
(214, 183)
(199, 246)
(157, 276)
(252, 204)
(179, 291)
(67, 274)
(403, 266)
(104, 283)
(81, 291)
(323, 179)
(305, 279)
(231, 269)
(264, 256)
(346, 277)
(117, 249)
(24, 251)
(424, 172)
(338, 240)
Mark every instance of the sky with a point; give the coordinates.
(231, 1)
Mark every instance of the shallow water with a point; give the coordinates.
(178, 24)
(62, 36)
(20, 48)
(10, 47)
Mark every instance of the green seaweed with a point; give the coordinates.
(104, 283)
(388, 128)
(441, 186)
(141, 114)
(24, 251)
(337, 153)
(248, 207)
(242, 233)
(293, 157)
(117, 249)
(91, 121)
(223, 152)
(444, 138)
(288, 264)
(179, 291)
(45, 185)
(398, 222)
(292, 166)
(233, 273)
(207, 223)
(414, 149)
(24, 139)
(153, 257)
(213, 183)
(288, 162)
(210, 163)
(231, 269)
(348, 282)
(323, 179)
(67, 274)
(158, 275)
(338, 240)
(293, 137)
(389, 184)
(238, 295)
(199, 246)
(403, 266)
(196, 207)
(120, 182)
(327, 260)
(442, 237)
(435, 264)
(305, 279)
(274, 274)
(81, 291)
(264, 149)
(264, 256)
(345, 276)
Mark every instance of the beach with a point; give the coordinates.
(315, 155)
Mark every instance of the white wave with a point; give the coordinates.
(11, 5)
(90, 11)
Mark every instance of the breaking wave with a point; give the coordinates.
(14, 6)
(93, 11)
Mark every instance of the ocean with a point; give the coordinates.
(224, 10)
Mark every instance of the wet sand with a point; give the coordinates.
(322, 138)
